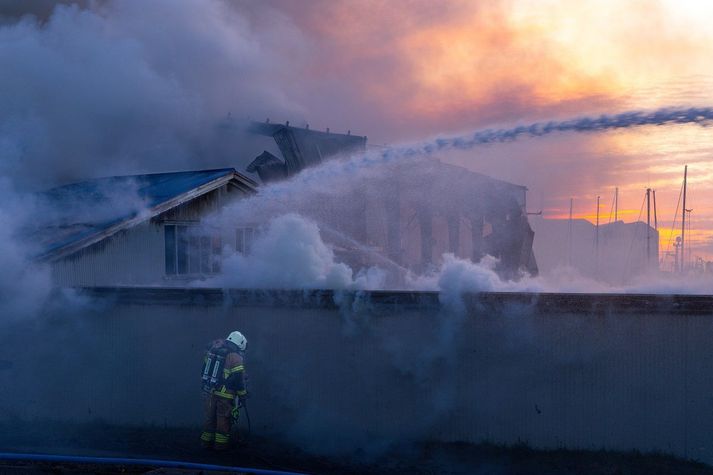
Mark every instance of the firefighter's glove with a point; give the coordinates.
(235, 413)
(242, 400)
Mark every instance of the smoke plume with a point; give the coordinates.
(91, 89)
(290, 254)
(102, 91)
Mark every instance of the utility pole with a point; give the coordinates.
(616, 204)
(648, 228)
(683, 217)
(569, 244)
(596, 244)
(689, 248)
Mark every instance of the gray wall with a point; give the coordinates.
(576, 371)
(136, 256)
(131, 257)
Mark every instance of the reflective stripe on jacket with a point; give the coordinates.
(233, 377)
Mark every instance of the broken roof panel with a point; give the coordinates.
(303, 147)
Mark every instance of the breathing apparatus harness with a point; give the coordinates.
(213, 366)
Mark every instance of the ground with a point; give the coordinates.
(431, 458)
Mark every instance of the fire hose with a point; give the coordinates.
(242, 404)
(136, 462)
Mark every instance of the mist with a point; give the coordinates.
(98, 92)
(93, 89)
(292, 255)
(108, 88)
(374, 173)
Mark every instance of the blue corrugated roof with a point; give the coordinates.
(77, 211)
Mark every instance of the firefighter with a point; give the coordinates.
(224, 385)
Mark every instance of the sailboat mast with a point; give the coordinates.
(683, 217)
(596, 241)
(656, 228)
(569, 247)
(648, 227)
(656, 219)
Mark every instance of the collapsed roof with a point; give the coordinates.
(301, 147)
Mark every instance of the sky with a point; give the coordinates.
(421, 68)
(121, 87)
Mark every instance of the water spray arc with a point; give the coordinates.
(665, 116)
(279, 197)
(314, 177)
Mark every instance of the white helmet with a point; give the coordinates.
(238, 338)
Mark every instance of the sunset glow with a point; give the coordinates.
(461, 65)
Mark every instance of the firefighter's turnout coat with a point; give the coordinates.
(223, 382)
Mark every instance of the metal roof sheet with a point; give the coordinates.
(75, 213)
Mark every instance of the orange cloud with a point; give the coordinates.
(473, 59)
(441, 64)
(402, 70)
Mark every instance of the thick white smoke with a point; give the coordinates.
(290, 254)
(103, 91)
(453, 275)
(132, 86)
(334, 176)
(123, 88)
(24, 285)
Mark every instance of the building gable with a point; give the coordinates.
(83, 214)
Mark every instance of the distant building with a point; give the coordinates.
(625, 250)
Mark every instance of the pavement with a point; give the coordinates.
(102, 440)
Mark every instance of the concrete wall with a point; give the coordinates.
(340, 371)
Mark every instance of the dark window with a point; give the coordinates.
(182, 234)
(248, 240)
(216, 254)
(243, 240)
(194, 254)
(239, 240)
(205, 255)
(169, 235)
(191, 251)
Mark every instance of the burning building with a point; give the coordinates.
(152, 230)
(411, 213)
(139, 230)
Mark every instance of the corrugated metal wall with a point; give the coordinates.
(380, 373)
(131, 257)
(136, 256)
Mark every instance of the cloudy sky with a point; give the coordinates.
(94, 88)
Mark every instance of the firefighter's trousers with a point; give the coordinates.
(218, 419)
